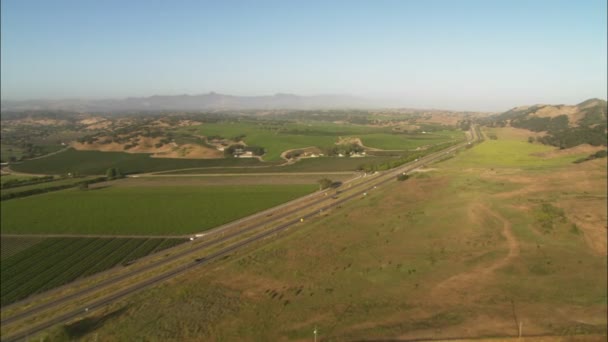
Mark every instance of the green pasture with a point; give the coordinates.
(96, 163)
(142, 210)
(405, 141)
(507, 153)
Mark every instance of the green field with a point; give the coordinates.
(409, 141)
(504, 153)
(14, 245)
(278, 138)
(322, 164)
(466, 251)
(43, 264)
(9, 177)
(96, 163)
(6, 152)
(158, 210)
(268, 137)
(45, 185)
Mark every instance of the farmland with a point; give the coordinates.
(322, 164)
(470, 249)
(10, 177)
(96, 163)
(36, 265)
(281, 137)
(46, 185)
(271, 137)
(142, 210)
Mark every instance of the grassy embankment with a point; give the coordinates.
(493, 238)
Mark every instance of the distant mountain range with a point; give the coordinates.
(210, 101)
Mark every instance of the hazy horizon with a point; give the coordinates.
(466, 55)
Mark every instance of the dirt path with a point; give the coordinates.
(293, 160)
(469, 281)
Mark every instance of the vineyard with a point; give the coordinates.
(12, 246)
(53, 262)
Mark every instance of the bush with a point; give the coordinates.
(596, 155)
(325, 183)
(402, 177)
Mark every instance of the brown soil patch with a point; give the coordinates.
(349, 140)
(111, 147)
(184, 123)
(159, 123)
(42, 122)
(100, 125)
(190, 151)
(517, 133)
(467, 282)
(310, 149)
(574, 113)
(95, 123)
(147, 145)
(441, 118)
(355, 141)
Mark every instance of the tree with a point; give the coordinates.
(113, 173)
(325, 183)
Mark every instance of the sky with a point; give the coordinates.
(467, 55)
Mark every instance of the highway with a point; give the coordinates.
(235, 235)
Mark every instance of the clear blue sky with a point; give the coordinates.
(478, 55)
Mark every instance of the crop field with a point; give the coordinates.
(96, 163)
(14, 245)
(270, 138)
(8, 177)
(144, 210)
(475, 248)
(45, 185)
(43, 264)
(322, 164)
(215, 180)
(409, 141)
(276, 139)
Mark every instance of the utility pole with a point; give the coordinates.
(315, 333)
